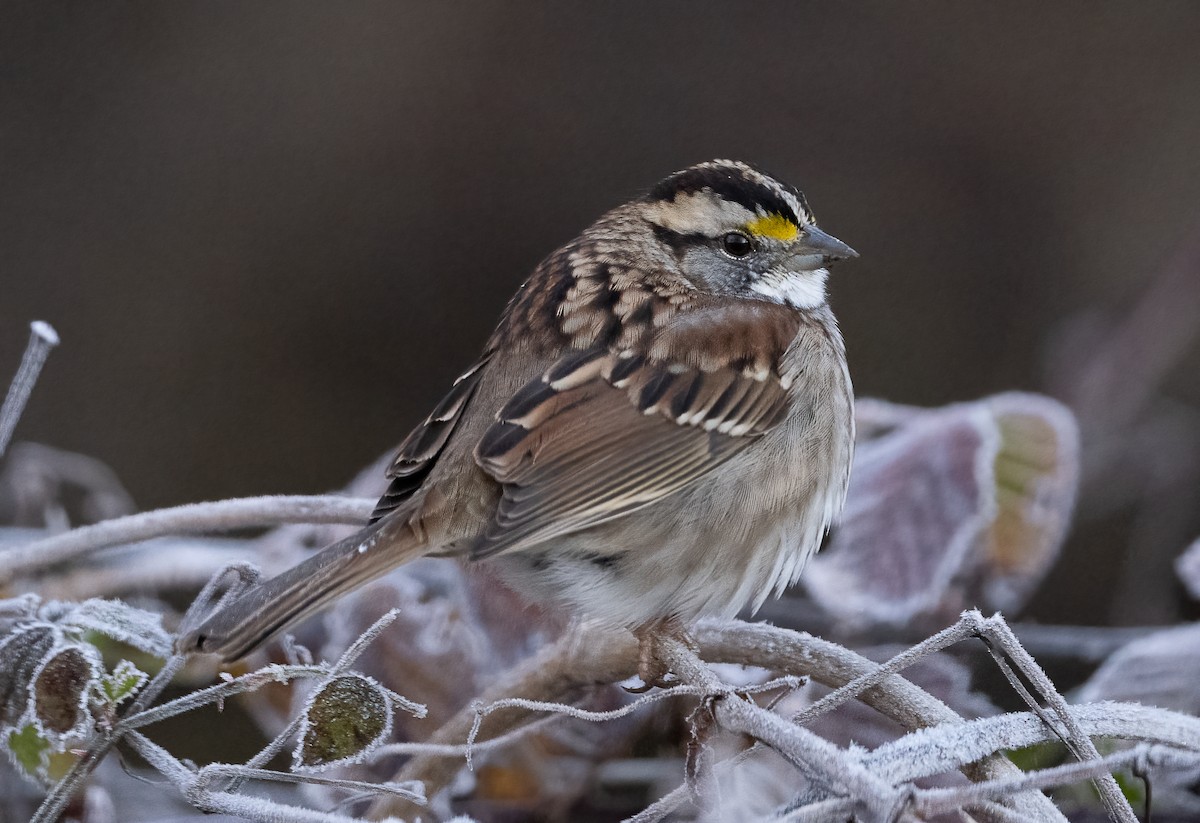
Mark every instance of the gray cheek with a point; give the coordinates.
(714, 272)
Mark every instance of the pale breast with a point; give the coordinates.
(730, 539)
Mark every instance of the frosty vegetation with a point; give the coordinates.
(433, 693)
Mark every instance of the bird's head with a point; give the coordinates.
(738, 232)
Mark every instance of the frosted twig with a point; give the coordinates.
(587, 656)
(355, 649)
(482, 711)
(550, 707)
(462, 749)
(791, 652)
(824, 811)
(1174, 740)
(941, 640)
(580, 658)
(214, 771)
(161, 565)
(273, 673)
(195, 786)
(816, 757)
(221, 515)
(945, 748)
(973, 623)
(42, 338)
(938, 801)
(161, 760)
(996, 630)
(347, 659)
(545, 706)
(786, 651)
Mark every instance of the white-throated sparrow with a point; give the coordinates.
(660, 427)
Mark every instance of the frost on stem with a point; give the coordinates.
(53, 683)
(42, 338)
(58, 701)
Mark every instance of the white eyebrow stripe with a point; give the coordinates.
(700, 212)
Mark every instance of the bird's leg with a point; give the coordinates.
(652, 669)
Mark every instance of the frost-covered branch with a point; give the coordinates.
(588, 656)
(221, 515)
(50, 668)
(42, 338)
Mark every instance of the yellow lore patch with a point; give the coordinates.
(775, 226)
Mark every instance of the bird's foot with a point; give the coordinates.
(653, 669)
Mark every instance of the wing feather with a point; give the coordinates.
(420, 450)
(603, 433)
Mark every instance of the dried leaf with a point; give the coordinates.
(1036, 470)
(23, 649)
(912, 514)
(1162, 669)
(346, 718)
(60, 692)
(963, 505)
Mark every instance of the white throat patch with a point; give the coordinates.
(799, 289)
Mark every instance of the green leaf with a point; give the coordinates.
(1037, 756)
(29, 749)
(1134, 788)
(347, 718)
(123, 683)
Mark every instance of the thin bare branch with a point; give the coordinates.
(581, 657)
(943, 749)
(195, 785)
(789, 652)
(816, 757)
(42, 338)
(939, 801)
(221, 515)
(997, 632)
(586, 656)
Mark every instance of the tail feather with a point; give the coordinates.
(271, 607)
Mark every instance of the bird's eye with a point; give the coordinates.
(736, 244)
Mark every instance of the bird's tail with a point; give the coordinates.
(281, 602)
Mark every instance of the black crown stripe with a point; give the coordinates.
(728, 183)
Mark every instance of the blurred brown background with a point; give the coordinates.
(270, 234)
